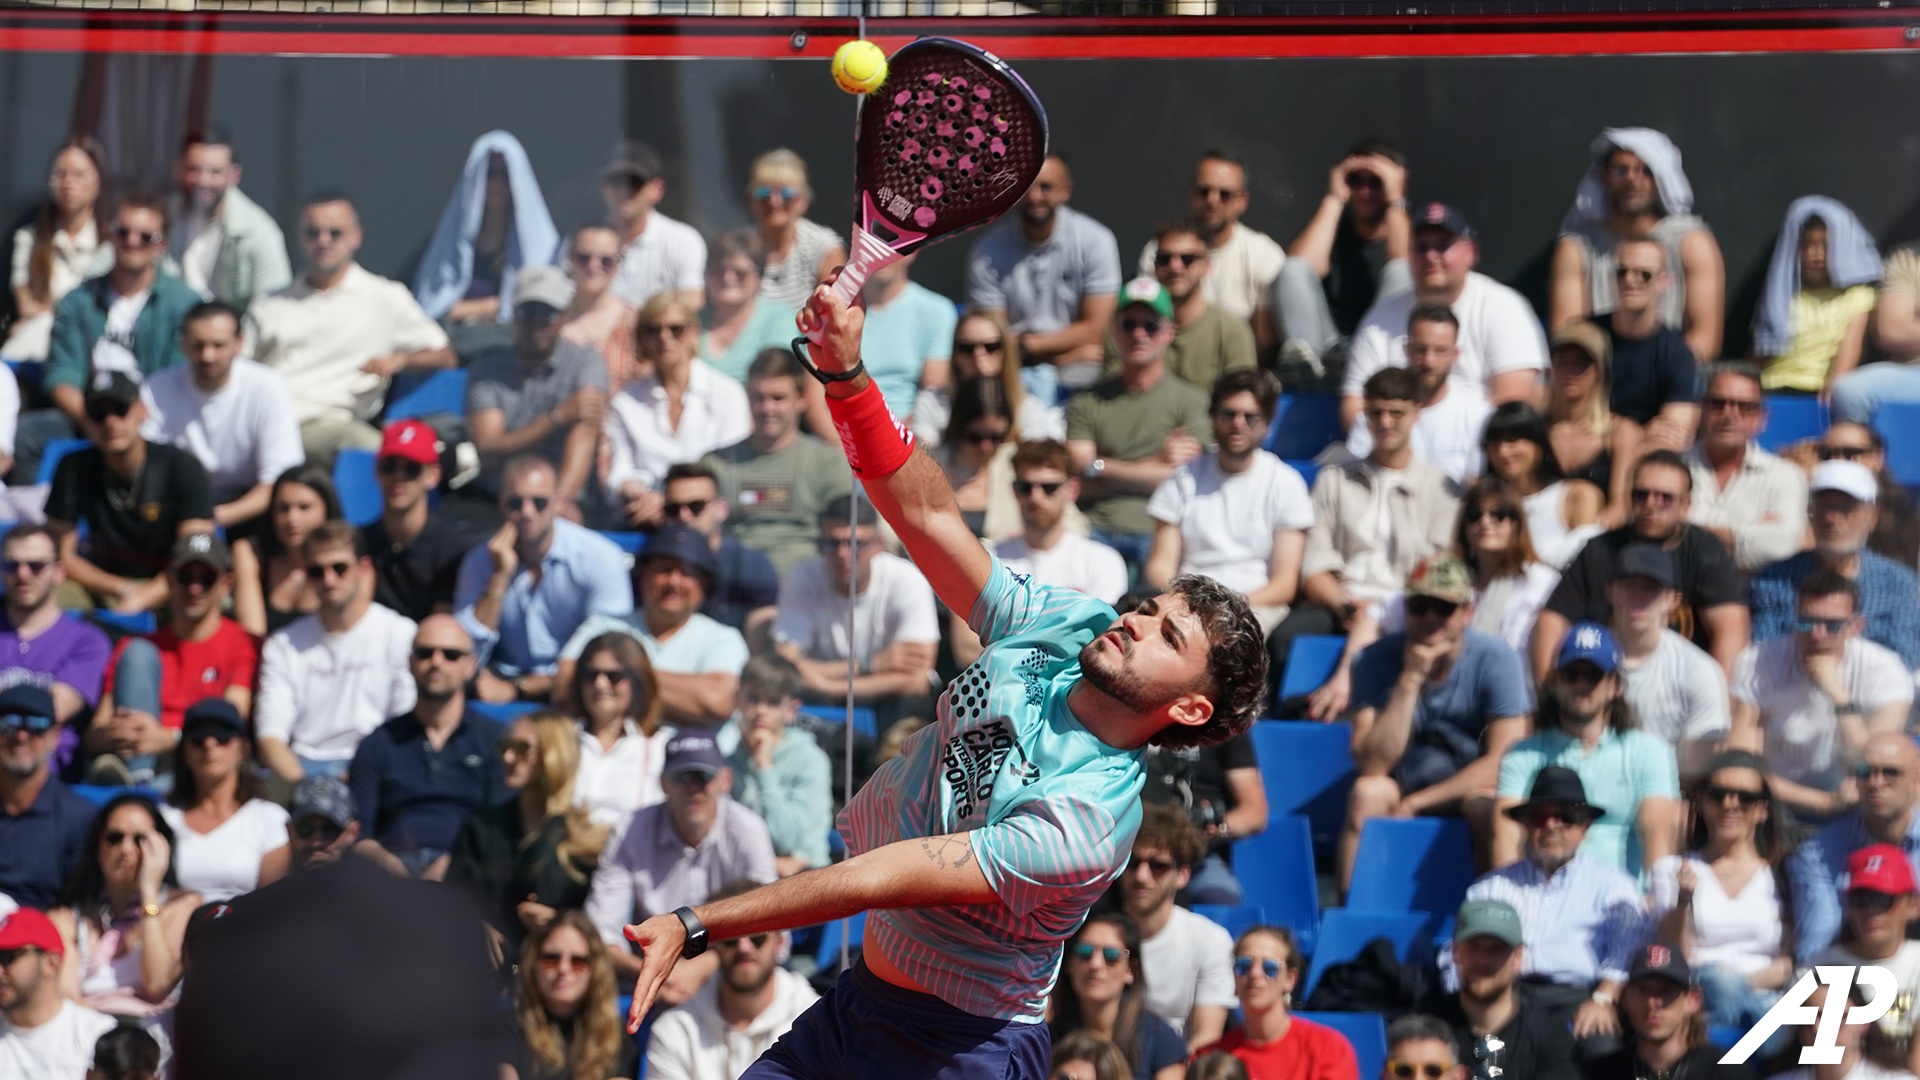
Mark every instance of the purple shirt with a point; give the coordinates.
(648, 870)
(69, 651)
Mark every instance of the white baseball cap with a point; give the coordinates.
(1846, 477)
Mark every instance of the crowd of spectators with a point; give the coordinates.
(1664, 674)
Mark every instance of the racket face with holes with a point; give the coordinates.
(951, 141)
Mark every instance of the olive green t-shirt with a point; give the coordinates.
(1212, 345)
(1132, 427)
(774, 500)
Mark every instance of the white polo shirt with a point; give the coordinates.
(319, 339)
(668, 255)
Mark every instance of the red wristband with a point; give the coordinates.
(876, 444)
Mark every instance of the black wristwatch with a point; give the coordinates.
(696, 933)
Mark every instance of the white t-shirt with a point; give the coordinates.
(60, 1049)
(1678, 692)
(668, 255)
(1802, 736)
(1447, 435)
(198, 241)
(1740, 933)
(321, 693)
(1227, 520)
(1904, 964)
(1240, 274)
(319, 340)
(224, 863)
(114, 350)
(245, 433)
(1498, 334)
(644, 441)
(1076, 562)
(1189, 962)
(612, 784)
(897, 605)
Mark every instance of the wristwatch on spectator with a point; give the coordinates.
(1094, 468)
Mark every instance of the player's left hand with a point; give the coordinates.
(839, 324)
(660, 939)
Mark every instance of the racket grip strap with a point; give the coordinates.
(876, 444)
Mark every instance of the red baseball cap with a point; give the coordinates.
(412, 440)
(1880, 868)
(29, 928)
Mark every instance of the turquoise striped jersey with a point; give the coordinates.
(1050, 808)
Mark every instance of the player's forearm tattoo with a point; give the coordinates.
(947, 851)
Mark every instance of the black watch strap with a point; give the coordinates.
(696, 933)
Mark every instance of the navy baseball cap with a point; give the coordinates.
(212, 712)
(1650, 561)
(1593, 643)
(692, 752)
(683, 542)
(1441, 216)
(26, 699)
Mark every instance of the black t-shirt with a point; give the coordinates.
(625, 1063)
(746, 581)
(1194, 778)
(1650, 372)
(411, 580)
(130, 531)
(1530, 1047)
(1700, 1064)
(1353, 275)
(1701, 563)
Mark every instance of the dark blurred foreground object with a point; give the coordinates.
(341, 971)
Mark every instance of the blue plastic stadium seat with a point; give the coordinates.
(855, 931)
(502, 713)
(1235, 920)
(28, 373)
(1307, 468)
(1307, 768)
(415, 394)
(1792, 418)
(1898, 423)
(359, 489)
(1310, 663)
(1365, 1031)
(1276, 874)
(99, 795)
(629, 542)
(864, 721)
(51, 454)
(1344, 932)
(1304, 425)
(1417, 864)
(139, 622)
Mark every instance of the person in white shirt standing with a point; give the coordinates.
(43, 1036)
(330, 677)
(233, 414)
(1677, 691)
(1237, 514)
(1453, 415)
(658, 254)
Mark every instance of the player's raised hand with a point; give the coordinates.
(660, 939)
(832, 327)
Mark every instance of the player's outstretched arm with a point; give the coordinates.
(913, 495)
(934, 871)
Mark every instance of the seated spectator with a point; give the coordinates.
(234, 415)
(1589, 442)
(134, 498)
(1237, 513)
(1896, 330)
(680, 412)
(493, 231)
(782, 773)
(528, 858)
(1053, 546)
(1812, 699)
(597, 319)
(1709, 613)
(1889, 780)
(1434, 708)
(63, 244)
(230, 840)
(228, 247)
(1448, 433)
(696, 660)
(123, 915)
(1207, 341)
(42, 1032)
(896, 622)
(735, 1018)
(908, 338)
(623, 738)
(270, 587)
(1104, 990)
(800, 253)
(416, 553)
(416, 778)
(1662, 1006)
(1502, 351)
(1489, 1014)
(43, 824)
(983, 347)
(678, 853)
(977, 455)
(332, 676)
(736, 326)
(1354, 250)
(1654, 381)
(744, 587)
(39, 642)
(1051, 273)
(1420, 1045)
(1562, 513)
(1811, 324)
(1082, 1055)
(566, 1008)
(778, 478)
(1635, 187)
(659, 254)
(321, 824)
(1880, 902)
(1896, 532)
(1245, 262)
(1751, 501)
(1677, 693)
(1844, 512)
(339, 334)
(126, 1054)
(543, 395)
(1272, 1042)
(1587, 725)
(1130, 432)
(1218, 787)
(1724, 902)
(1581, 914)
(1184, 956)
(524, 593)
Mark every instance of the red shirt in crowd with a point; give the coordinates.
(1308, 1051)
(191, 671)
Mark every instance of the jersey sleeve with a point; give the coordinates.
(1048, 850)
(1015, 603)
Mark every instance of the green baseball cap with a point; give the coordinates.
(1487, 918)
(1145, 290)
(1443, 576)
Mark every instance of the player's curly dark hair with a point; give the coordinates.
(1236, 663)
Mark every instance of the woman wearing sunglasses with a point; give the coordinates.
(623, 737)
(1562, 514)
(229, 840)
(984, 346)
(1589, 442)
(739, 322)
(597, 318)
(1083, 1055)
(270, 586)
(1104, 990)
(799, 253)
(1275, 1044)
(1510, 583)
(977, 455)
(565, 1008)
(527, 859)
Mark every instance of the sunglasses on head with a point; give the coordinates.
(1110, 954)
(1147, 326)
(586, 261)
(1027, 487)
(515, 503)
(309, 827)
(696, 507)
(312, 232)
(1407, 1070)
(404, 468)
(787, 192)
(99, 409)
(136, 237)
(1423, 607)
(1243, 966)
(319, 571)
(575, 962)
(1183, 258)
(1719, 793)
(14, 723)
(1842, 453)
(758, 941)
(424, 653)
(33, 567)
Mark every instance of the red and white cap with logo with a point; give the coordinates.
(1880, 868)
(412, 440)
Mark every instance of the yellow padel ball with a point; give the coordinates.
(859, 67)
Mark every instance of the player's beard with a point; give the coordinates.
(1111, 676)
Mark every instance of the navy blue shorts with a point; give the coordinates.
(866, 1028)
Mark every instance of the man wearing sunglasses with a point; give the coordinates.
(1503, 1034)
(135, 497)
(1447, 435)
(1244, 261)
(1207, 342)
(1664, 1010)
(743, 590)
(659, 252)
(42, 1034)
(39, 642)
(1753, 502)
(321, 828)
(1888, 776)
(1654, 377)
(1812, 699)
(1048, 548)
(43, 824)
(416, 553)
(1879, 902)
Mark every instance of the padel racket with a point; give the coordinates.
(952, 140)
